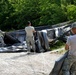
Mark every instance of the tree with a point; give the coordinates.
(5, 10)
(52, 14)
(15, 13)
(71, 12)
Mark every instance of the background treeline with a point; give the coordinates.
(14, 14)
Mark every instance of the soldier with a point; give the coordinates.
(30, 37)
(71, 46)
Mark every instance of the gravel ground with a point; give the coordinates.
(23, 64)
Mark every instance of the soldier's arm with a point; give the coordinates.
(34, 30)
(66, 47)
(68, 43)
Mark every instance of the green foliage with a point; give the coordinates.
(71, 12)
(57, 45)
(5, 11)
(14, 14)
(52, 14)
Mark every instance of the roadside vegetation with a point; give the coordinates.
(14, 14)
(57, 45)
(58, 48)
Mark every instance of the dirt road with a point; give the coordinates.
(23, 64)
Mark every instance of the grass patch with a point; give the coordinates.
(57, 45)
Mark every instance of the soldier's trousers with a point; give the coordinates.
(68, 64)
(30, 40)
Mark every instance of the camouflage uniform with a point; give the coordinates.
(68, 63)
(68, 66)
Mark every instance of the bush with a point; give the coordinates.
(52, 14)
(57, 45)
(71, 12)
